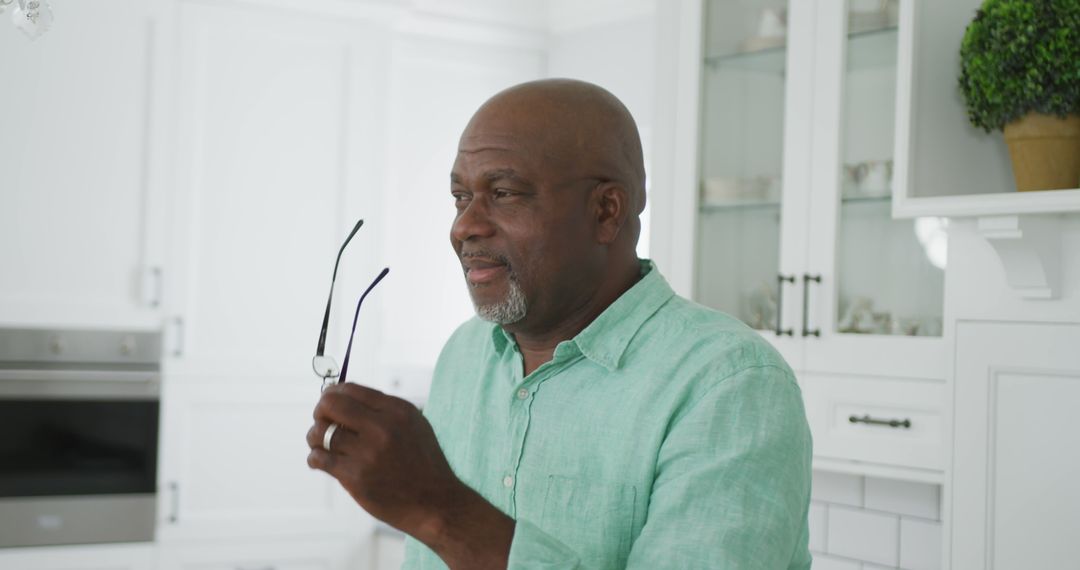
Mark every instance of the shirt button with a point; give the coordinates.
(522, 394)
(508, 481)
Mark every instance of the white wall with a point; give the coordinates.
(611, 44)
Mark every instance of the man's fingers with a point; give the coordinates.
(319, 458)
(316, 433)
(369, 397)
(351, 404)
(337, 407)
(344, 441)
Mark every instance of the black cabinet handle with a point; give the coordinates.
(174, 495)
(866, 419)
(780, 280)
(178, 340)
(807, 278)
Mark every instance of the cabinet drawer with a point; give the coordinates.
(891, 422)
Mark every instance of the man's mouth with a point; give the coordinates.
(480, 270)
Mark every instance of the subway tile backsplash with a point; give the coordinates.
(837, 488)
(863, 535)
(867, 523)
(903, 498)
(920, 544)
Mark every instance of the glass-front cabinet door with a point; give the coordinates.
(875, 299)
(751, 113)
(794, 228)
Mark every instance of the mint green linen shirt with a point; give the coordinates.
(664, 435)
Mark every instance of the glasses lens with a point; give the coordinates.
(324, 367)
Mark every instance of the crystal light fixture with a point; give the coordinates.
(33, 17)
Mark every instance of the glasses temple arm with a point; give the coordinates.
(320, 348)
(348, 351)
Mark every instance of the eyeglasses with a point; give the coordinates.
(324, 366)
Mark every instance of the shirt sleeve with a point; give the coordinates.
(732, 488)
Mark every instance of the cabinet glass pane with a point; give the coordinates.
(891, 272)
(738, 248)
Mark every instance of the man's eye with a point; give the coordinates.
(460, 197)
(502, 193)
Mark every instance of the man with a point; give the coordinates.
(590, 418)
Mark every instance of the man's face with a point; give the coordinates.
(521, 228)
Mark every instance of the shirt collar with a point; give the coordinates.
(605, 340)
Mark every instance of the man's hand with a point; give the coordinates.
(385, 454)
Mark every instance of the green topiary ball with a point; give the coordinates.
(1020, 56)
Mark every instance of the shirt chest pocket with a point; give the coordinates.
(594, 518)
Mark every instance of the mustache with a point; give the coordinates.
(486, 254)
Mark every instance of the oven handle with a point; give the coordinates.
(80, 385)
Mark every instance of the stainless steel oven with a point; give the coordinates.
(78, 436)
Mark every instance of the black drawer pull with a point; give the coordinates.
(806, 331)
(780, 280)
(904, 423)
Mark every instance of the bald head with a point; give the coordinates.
(581, 127)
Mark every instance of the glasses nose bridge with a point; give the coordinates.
(474, 220)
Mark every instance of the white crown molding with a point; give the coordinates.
(469, 31)
(567, 16)
(411, 19)
(377, 11)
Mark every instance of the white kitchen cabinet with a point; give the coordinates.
(1014, 470)
(81, 222)
(234, 464)
(296, 554)
(888, 422)
(276, 121)
(778, 210)
(782, 215)
(88, 557)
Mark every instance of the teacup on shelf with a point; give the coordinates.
(771, 32)
(868, 179)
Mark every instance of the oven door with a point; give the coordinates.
(78, 456)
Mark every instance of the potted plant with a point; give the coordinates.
(1020, 73)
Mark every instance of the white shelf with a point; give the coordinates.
(878, 470)
(869, 49)
(975, 205)
(735, 205)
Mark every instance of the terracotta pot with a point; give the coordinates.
(1045, 151)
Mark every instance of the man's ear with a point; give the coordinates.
(611, 207)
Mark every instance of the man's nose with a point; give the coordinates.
(472, 222)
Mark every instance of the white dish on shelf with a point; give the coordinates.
(762, 43)
(727, 190)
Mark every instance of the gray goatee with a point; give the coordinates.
(511, 308)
